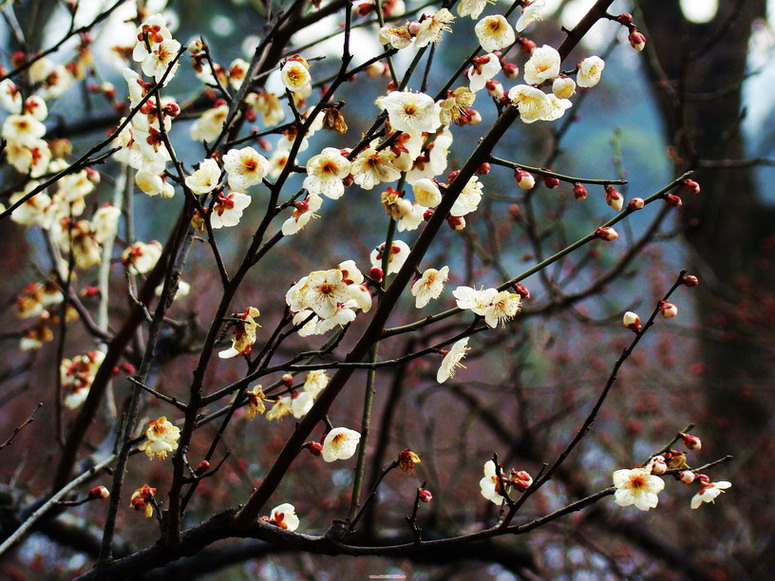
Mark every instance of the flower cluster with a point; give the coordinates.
(326, 299)
(77, 375)
(492, 484)
(298, 403)
(495, 306)
(144, 499)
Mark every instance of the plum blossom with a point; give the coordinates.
(533, 12)
(490, 485)
(533, 103)
(161, 437)
(295, 76)
(140, 257)
(451, 360)
(590, 71)
(485, 68)
(469, 198)
(244, 333)
(340, 444)
(78, 374)
(303, 212)
(426, 192)
(245, 168)
(411, 112)
(432, 28)
(326, 172)
(228, 209)
(206, 178)
(637, 486)
(372, 166)
(542, 66)
(399, 252)
(429, 286)
(494, 32)
(472, 8)
(284, 516)
(143, 500)
(496, 307)
(709, 491)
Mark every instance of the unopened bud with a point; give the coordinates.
(637, 40)
(521, 480)
(414, 28)
(551, 182)
(522, 290)
(668, 310)
(526, 45)
(673, 200)
(691, 187)
(510, 70)
(691, 442)
(690, 280)
(315, 448)
(563, 87)
(658, 465)
(457, 223)
(631, 321)
(376, 274)
(202, 467)
(483, 169)
(195, 46)
(636, 204)
(287, 380)
(473, 117)
(686, 476)
(364, 9)
(607, 233)
(375, 70)
(424, 495)
(614, 198)
(625, 19)
(495, 89)
(99, 493)
(579, 192)
(452, 175)
(428, 214)
(525, 180)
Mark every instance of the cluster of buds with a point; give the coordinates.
(520, 480)
(636, 38)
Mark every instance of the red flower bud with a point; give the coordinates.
(424, 495)
(690, 280)
(483, 169)
(99, 493)
(691, 442)
(202, 467)
(606, 233)
(579, 192)
(673, 200)
(668, 310)
(625, 19)
(522, 290)
(637, 40)
(691, 187)
(636, 204)
(551, 182)
(376, 274)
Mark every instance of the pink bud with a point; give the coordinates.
(673, 200)
(414, 28)
(202, 467)
(691, 442)
(613, 198)
(376, 274)
(510, 70)
(625, 19)
(607, 233)
(551, 182)
(631, 321)
(690, 280)
(315, 448)
(526, 45)
(658, 466)
(456, 222)
(99, 493)
(668, 310)
(686, 476)
(637, 40)
(636, 204)
(579, 192)
(525, 180)
(522, 291)
(483, 169)
(424, 495)
(287, 380)
(691, 187)
(494, 89)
